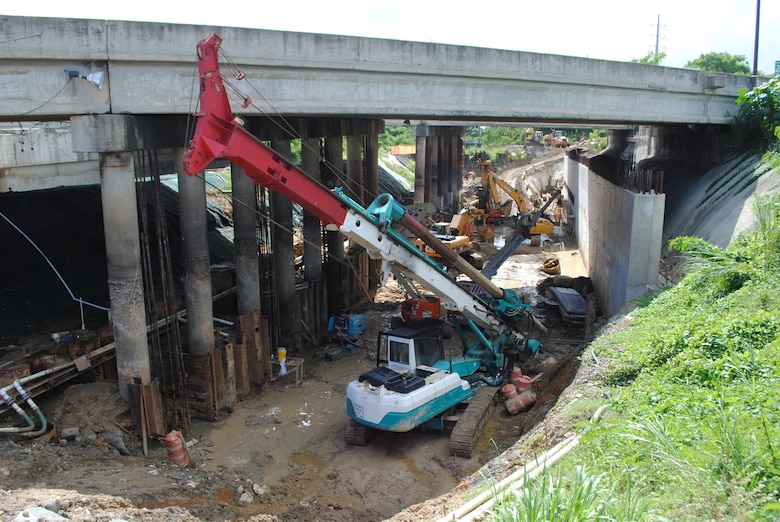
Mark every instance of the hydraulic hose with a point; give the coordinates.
(23, 430)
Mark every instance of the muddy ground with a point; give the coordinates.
(281, 453)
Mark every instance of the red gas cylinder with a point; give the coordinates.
(177, 452)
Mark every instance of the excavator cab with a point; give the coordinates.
(411, 345)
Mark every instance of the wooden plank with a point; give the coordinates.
(229, 369)
(242, 371)
(265, 350)
(153, 409)
(244, 323)
(219, 378)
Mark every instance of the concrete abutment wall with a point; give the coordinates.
(619, 235)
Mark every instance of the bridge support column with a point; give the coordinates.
(113, 137)
(337, 287)
(434, 162)
(355, 181)
(372, 167)
(312, 229)
(455, 170)
(244, 194)
(197, 264)
(289, 318)
(438, 155)
(420, 162)
(125, 283)
(312, 249)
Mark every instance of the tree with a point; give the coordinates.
(758, 119)
(721, 62)
(651, 58)
(395, 135)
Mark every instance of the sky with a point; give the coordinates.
(619, 30)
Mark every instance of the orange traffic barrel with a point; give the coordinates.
(510, 391)
(522, 402)
(522, 383)
(177, 452)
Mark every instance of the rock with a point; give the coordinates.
(115, 441)
(53, 505)
(258, 489)
(70, 433)
(86, 438)
(246, 498)
(38, 514)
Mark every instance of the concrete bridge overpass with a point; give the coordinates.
(326, 88)
(149, 69)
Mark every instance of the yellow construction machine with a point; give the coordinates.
(530, 223)
(456, 234)
(489, 201)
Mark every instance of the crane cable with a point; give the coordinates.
(283, 124)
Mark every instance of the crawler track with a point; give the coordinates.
(358, 434)
(469, 426)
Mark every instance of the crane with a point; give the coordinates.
(414, 385)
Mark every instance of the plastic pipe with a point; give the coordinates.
(10, 402)
(549, 461)
(17, 384)
(482, 502)
(34, 407)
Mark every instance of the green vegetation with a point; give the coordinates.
(757, 122)
(598, 139)
(693, 432)
(721, 62)
(651, 58)
(395, 135)
(406, 173)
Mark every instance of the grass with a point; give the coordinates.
(694, 428)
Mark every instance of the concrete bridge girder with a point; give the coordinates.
(149, 69)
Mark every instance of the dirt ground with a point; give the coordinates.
(281, 452)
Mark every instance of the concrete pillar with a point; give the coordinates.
(284, 264)
(245, 240)
(125, 283)
(461, 169)
(456, 172)
(428, 176)
(337, 288)
(372, 168)
(197, 265)
(445, 172)
(355, 169)
(420, 160)
(435, 164)
(312, 228)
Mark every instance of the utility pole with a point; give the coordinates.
(657, 50)
(755, 48)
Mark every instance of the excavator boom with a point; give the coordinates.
(219, 135)
(404, 394)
